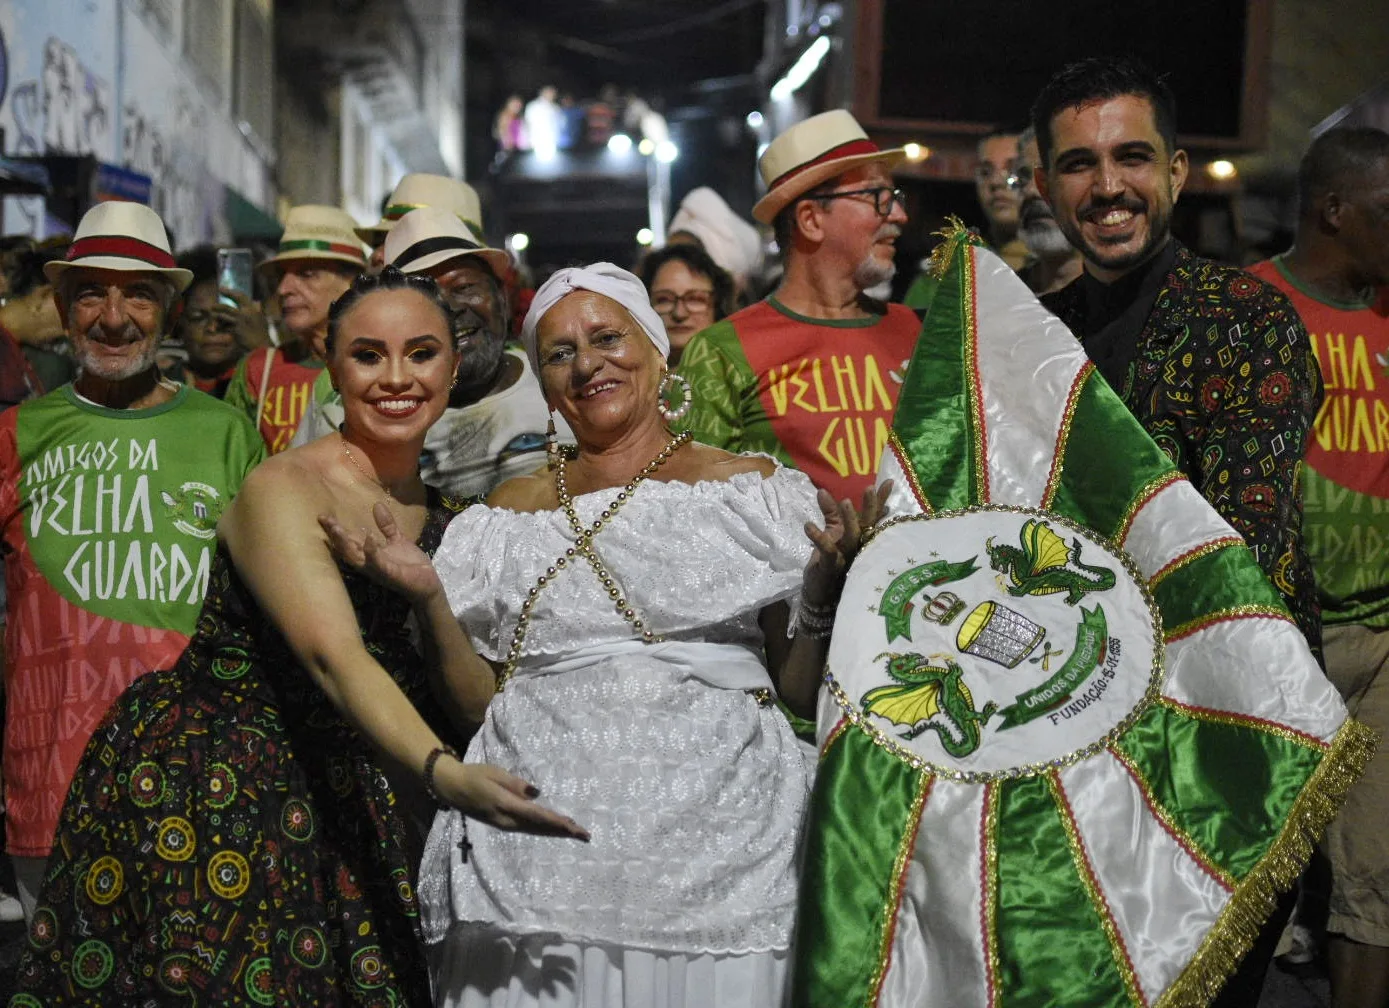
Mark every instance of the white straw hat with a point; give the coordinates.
(814, 151)
(431, 235)
(128, 237)
(423, 190)
(313, 231)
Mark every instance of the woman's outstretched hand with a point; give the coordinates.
(501, 799)
(838, 542)
(388, 557)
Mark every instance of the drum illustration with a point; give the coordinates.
(999, 634)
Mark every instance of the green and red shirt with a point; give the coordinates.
(1346, 479)
(288, 390)
(818, 394)
(108, 521)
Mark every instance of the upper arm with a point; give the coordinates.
(282, 556)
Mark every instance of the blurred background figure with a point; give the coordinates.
(213, 334)
(1052, 262)
(543, 122)
(29, 317)
(510, 127)
(998, 199)
(735, 245)
(688, 290)
(421, 189)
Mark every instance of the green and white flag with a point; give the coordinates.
(1072, 743)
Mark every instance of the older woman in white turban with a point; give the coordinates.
(643, 599)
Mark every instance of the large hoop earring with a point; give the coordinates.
(667, 392)
(551, 444)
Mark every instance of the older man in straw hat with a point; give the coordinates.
(110, 490)
(420, 189)
(811, 374)
(318, 259)
(495, 425)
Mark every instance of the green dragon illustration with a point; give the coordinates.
(931, 697)
(1042, 566)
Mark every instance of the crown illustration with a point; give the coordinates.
(942, 608)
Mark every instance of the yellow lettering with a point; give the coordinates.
(873, 379)
(820, 390)
(802, 387)
(1335, 352)
(1381, 426)
(298, 400)
(836, 460)
(839, 372)
(1361, 423)
(777, 386)
(857, 436)
(1360, 366)
(880, 439)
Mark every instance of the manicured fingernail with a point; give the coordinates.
(532, 791)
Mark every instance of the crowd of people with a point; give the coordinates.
(407, 636)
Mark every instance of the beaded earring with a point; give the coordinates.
(664, 394)
(551, 444)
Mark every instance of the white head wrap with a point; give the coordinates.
(601, 278)
(731, 242)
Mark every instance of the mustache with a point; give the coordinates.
(129, 333)
(1035, 208)
(1098, 208)
(887, 231)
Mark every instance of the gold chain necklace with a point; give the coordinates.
(365, 475)
(583, 546)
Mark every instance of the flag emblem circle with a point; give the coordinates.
(994, 642)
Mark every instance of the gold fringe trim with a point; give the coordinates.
(894, 898)
(952, 236)
(1254, 899)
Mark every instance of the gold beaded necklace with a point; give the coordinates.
(583, 546)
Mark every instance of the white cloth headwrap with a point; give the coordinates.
(601, 278)
(731, 242)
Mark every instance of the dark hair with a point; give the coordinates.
(698, 261)
(24, 264)
(388, 279)
(1099, 79)
(1338, 160)
(201, 261)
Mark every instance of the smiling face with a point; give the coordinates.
(1112, 183)
(851, 230)
(392, 361)
(598, 369)
(114, 319)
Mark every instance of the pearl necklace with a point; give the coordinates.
(583, 546)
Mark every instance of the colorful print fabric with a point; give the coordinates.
(1225, 382)
(229, 839)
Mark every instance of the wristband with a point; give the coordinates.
(429, 762)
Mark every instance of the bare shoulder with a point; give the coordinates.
(532, 492)
(281, 487)
(705, 462)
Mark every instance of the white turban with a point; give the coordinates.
(602, 278)
(731, 242)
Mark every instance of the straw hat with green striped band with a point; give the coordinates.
(420, 189)
(313, 231)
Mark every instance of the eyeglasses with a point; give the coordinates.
(1019, 177)
(883, 197)
(693, 301)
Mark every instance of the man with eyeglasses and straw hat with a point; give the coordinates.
(811, 374)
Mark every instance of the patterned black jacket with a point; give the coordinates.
(1224, 379)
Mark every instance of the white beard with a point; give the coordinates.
(873, 273)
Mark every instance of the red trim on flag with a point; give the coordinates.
(850, 149)
(123, 246)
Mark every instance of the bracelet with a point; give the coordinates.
(429, 762)
(814, 632)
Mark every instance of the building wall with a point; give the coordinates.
(131, 83)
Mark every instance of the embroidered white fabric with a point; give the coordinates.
(694, 795)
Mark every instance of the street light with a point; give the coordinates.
(519, 242)
(644, 236)
(645, 147)
(619, 143)
(802, 69)
(666, 152)
(754, 119)
(1221, 171)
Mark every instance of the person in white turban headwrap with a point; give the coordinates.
(731, 242)
(634, 598)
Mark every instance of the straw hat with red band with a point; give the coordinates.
(813, 151)
(127, 237)
(426, 237)
(313, 231)
(420, 189)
